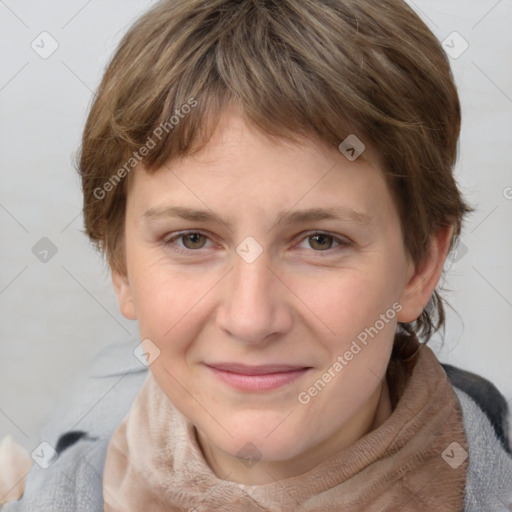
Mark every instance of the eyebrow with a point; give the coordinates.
(341, 213)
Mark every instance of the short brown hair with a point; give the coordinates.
(326, 68)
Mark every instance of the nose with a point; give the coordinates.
(254, 308)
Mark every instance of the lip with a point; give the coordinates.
(256, 378)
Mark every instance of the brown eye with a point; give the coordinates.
(321, 242)
(194, 240)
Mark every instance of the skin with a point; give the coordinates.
(302, 301)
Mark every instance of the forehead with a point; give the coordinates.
(241, 168)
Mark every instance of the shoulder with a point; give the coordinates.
(79, 431)
(72, 482)
(485, 416)
(488, 398)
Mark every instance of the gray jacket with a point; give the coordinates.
(81, 433)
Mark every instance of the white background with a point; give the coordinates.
(56, 315)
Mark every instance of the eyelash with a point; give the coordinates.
(342, 243)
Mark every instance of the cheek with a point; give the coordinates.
(169, 309)
(168, 303)
(347, 302)
(359, 315)
(356, 318)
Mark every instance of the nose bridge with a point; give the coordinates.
(253, 307)
(251, 281)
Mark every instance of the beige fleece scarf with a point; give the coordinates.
(154, 462)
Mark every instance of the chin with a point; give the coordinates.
(268, 444)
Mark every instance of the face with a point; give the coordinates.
(257, 252)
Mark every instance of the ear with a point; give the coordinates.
(124, 294)
(422, 281)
